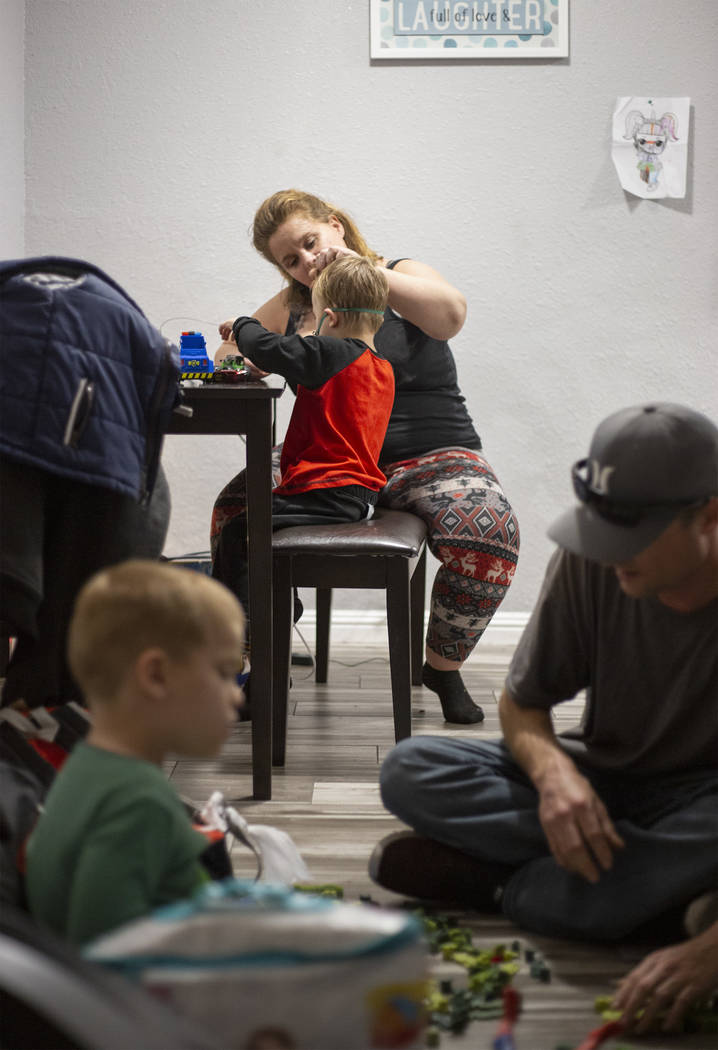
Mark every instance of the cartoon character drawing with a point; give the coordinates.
(650, 137)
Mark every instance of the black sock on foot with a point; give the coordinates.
(456, 703)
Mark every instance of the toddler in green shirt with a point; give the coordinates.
(156, 650)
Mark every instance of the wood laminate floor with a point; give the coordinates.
(326, 797)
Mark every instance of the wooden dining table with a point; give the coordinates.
(247, 408)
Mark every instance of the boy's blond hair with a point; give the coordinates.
(138, 605)
(353, 284)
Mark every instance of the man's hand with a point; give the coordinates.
(669, 981)
(580, 833)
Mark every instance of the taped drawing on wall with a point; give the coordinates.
(650, 145)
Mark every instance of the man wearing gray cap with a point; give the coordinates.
(612, 828)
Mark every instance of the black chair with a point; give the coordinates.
(386, 552)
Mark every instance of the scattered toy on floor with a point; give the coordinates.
(600, 1035)
(489, 972)
(504, 1039)
(322, 889)
(700, 1017)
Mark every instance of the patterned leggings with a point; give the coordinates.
(473, 532)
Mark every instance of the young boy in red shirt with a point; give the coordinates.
(344, 395)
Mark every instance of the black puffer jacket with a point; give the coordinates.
(87, 384)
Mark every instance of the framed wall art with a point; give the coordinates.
(477, 29)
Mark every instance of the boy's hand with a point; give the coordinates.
(326, 256)
(257, 372)
(225, 330)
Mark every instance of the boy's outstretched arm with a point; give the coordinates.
(300, 359)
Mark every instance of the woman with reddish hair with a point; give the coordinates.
(432, 455)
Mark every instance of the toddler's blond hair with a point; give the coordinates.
(137, 605)
(355, 284)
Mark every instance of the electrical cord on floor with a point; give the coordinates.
(358, 663)
(311, 665)
(307, 657)
(342, 663)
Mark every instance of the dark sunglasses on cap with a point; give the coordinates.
(618, 512)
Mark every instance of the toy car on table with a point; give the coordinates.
(197, 367)
(195, 364)
(231, 370)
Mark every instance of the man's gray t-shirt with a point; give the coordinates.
(651, 673)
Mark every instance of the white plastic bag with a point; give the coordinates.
(253, 961)
(278, 859)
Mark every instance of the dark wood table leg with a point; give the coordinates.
(259, 532)
(282, 640)
(324, 616)
(398, 618)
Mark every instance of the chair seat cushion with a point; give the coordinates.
(389, 532)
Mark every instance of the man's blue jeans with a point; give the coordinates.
(472, 795)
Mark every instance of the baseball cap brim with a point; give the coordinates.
(583, 531)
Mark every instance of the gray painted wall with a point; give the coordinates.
(153, 130)
(12, 123)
